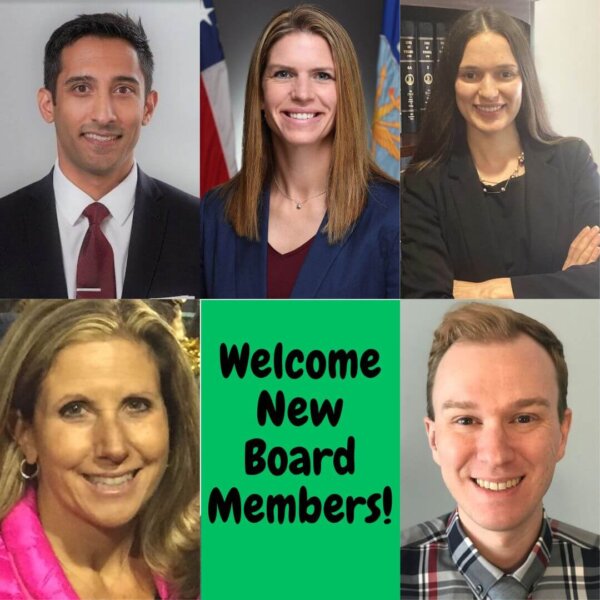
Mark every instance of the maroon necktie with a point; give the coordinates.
(96, 264)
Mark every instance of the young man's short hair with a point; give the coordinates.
(477, 322)
(104, 25)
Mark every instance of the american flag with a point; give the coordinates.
(217, 153)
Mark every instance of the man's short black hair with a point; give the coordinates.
(106, 25)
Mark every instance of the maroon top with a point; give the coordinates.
(283, 269)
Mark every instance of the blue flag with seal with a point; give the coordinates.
(386, 117)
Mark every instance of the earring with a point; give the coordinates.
(25, 475)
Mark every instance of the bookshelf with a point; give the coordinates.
(521, 9)
(447, 11)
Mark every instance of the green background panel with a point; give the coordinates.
(295, 560)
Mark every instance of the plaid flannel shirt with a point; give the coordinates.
(438, 560)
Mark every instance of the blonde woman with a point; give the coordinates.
(99, 455)
(309, 215)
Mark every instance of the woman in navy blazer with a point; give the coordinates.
(309, 215)
(494, 203)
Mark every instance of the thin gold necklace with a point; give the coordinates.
(520, 163)
(298, 204)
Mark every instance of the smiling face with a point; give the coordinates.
(496, 433)
(98, 110)
(299, 90)
(488, 84)
(100, 434)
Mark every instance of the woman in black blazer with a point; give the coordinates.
(494, 203)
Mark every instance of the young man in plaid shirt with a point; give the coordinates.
(497, 423)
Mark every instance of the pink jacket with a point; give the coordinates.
(29, 569)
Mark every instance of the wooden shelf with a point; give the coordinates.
(408, 143)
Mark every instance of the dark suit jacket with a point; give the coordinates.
(162, 260)
(447, 234)
(365, 264)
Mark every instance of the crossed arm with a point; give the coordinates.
(433, 236)
(584, 250)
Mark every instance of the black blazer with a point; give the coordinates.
(163, 258)
(447, 234)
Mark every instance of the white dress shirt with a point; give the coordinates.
(72, 225)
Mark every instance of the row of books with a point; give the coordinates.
(421, 45)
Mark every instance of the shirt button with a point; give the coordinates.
(479, 589)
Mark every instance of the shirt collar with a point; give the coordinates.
(480, 574)
(71, 200)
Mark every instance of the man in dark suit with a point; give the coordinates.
(96, 226)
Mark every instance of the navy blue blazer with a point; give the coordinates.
(365, 264)
(447, 234)
(162, 259)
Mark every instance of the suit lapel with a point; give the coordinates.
(475, 222)
(147, 233)
(543, 205)
(319, 259)
(251, 258)
(43, 240)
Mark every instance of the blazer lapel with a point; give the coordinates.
(317, 263)
(475, 223)
(43, 240)
(543, 205)
(147, 233)
(251, 258)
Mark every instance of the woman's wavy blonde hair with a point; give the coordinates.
(351, 166)
(168, 528)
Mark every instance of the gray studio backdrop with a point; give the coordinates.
(169, 146)
(241, 22)
(574, 496)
